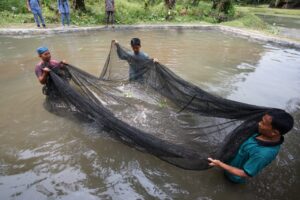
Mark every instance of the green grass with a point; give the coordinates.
(9, 17)
(264, 9)
(127, 12)
(251, 21)
(134, 12)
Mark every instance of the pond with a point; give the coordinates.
(288, 26)
(287, 22)
(44, 156)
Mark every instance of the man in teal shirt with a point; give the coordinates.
(259, 150)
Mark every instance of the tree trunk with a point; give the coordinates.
(285, 4)
(170, 3)
(222, 5)
(195, 2)
(79, 5)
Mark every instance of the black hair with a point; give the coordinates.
(135, 41)
(281, 121)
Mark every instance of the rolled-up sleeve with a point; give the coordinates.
(254, 165)
(38, 71)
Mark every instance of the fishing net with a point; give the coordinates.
(154, 110)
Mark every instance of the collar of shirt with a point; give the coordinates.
(269, 144)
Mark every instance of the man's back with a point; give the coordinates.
(134, 67)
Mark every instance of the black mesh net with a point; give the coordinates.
(154, 110)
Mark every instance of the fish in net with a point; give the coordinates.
(154, 110)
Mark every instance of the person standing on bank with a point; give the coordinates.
(64, 10)
(35, 7)
(110, 11)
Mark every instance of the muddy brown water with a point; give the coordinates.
(43, 156)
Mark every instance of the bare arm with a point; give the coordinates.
(230, 169)
(43, 77)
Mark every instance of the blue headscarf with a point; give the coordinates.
(41, 50)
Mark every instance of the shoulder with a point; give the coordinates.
(38, 66)
(265, 154)
(255, 150)
(267, 149)
(144, 55)
(255, 164)
(38, 69)
(54, 63)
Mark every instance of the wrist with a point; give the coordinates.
(219, 163)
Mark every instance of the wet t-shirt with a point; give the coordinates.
(252, 157)
(134, 68)
(51, 64)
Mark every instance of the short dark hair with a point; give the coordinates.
(135, 41)
(281, 121)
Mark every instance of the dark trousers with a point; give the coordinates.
(109, 15)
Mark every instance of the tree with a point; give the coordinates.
(170, 3)
(222, 6)
(285, 4)
(149, 3)
(79, 5)
(195, 2)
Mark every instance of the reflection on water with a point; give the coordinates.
(288, 26)
(275, 81)
(287, 22)
(43, 156)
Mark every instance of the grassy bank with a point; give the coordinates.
(251, 21)
(265, 10)
(135, 12)
(127, 12)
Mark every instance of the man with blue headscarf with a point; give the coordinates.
(35, 7)
(64, 10)
(43, 68)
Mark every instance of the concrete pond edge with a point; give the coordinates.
(253, 35)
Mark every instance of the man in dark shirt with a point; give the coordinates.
(110, 9)
(137, 55)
